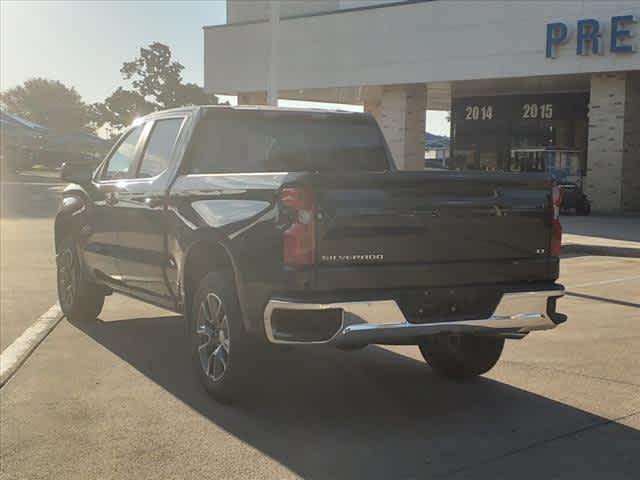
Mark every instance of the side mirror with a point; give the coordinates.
(79, 173)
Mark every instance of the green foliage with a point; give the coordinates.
(192, 94)
(119, 109)
(156, 84)
(154, 75)
(47, 102)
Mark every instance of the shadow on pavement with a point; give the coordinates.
(377, 414)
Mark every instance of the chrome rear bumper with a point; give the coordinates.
(382, 321)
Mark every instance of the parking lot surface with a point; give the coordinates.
(119, 399)
(28, 205)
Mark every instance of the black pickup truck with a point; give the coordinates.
(272, 226)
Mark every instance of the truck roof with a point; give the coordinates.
(286, 109)
(270, 108)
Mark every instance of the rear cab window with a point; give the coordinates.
(159, 147)
(121, 162)
(237, 141)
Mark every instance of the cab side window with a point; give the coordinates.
(120, 164)
(157, 154)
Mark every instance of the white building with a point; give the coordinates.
(513, 74)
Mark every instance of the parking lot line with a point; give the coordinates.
(15, 354)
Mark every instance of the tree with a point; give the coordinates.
(154, 75)
(119, 109)
(47, 102)
(192, 94)
(156, 84)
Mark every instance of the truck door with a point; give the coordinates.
(143, 259)
(101, 246)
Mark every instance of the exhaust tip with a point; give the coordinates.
(305, 326)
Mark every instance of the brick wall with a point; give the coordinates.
(400, 112)
(603, 183)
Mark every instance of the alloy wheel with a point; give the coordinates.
(66, 277)
(214, 337)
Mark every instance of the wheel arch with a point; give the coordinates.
(66, 221)
(204, 256)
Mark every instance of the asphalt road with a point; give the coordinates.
(118, 398)
(28, 204)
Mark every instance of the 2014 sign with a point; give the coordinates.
(478, 112)
(589, 36)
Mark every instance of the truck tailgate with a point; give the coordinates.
(431, 218)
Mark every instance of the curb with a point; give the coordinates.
(15, 354)
(600, 250)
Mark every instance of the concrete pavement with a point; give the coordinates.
(614, 228)
(617, 236)
(27, 260)
(119, 399)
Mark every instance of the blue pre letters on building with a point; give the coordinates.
(589, 33)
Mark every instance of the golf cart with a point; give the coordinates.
(563, 164)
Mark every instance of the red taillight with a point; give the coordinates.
(556, 227)
(556, 197)
(299, 238)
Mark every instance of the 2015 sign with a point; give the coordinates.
(533, 111)
(589, 36)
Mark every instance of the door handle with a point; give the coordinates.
(111, 198)
(153, 202)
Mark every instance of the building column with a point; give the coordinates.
(400, 112)
(252, 98)
(631, 145)
(613, 167)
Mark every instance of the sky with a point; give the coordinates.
(83, 43)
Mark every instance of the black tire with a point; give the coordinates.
(583, 208)
(222, 353)
(461, 357)
(80, 299)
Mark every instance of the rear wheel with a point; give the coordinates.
(583, 208)
(218, 342)
(80, 299)
(461, 356)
